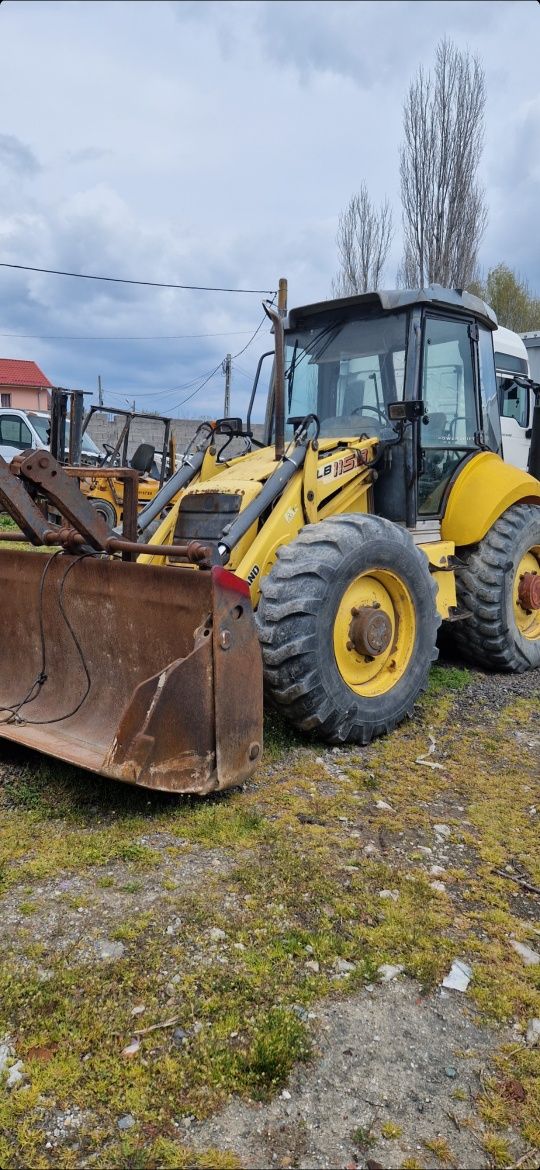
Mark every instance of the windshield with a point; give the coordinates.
(42, 424)
(507, 361)
(346, 373)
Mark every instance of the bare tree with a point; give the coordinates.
(363, 239)
(444, 210)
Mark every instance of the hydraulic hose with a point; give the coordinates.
(269, 492)
(179, 480)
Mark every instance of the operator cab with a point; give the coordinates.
(347, 361)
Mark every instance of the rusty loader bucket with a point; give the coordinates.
(146, 674)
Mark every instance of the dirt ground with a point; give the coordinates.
(256, 980)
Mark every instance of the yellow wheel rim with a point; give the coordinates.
(527, 621)
(382, 591)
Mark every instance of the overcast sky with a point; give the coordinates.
(215, 143)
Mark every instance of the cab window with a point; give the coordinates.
(15, 433)
(346, 372)
(514, 401)
(450, 426)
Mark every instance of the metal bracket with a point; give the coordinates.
(16, 500)
(42, 470)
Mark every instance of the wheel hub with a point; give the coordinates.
(529, 592)
(370, 631)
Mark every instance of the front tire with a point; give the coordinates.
(348, 624)
(494, 584)
(106, 510)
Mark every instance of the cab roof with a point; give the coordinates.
(389, 300)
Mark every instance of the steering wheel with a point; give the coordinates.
(109, 452)
(374, 409)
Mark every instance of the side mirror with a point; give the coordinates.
(406, 411)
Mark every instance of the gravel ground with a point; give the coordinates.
(389, 1057)
(160, 907)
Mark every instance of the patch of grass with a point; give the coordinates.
(140, 856)
(278, 1042)
(497, 1150)
(162, 1154)
(221, 822)
(362, 1137)
(27, 908)
(448, 678)
(279, 737)
(129, 931)
(439, 1146)
(390, 1131)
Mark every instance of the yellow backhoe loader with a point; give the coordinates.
(324, 561)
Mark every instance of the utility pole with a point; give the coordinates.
(226, 367)
(100, 391)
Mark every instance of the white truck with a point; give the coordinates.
(516, 396)
(25, 430)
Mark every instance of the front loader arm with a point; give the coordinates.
(313, 481)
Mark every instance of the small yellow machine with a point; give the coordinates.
(324, 561)
(107, 491)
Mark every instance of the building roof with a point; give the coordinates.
(21, 373)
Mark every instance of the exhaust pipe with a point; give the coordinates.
(279, 380)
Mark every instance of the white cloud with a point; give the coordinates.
(215, 143)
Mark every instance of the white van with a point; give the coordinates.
(516, 397)
(25, 430)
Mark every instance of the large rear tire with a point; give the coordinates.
(348, 624)
(495, 582)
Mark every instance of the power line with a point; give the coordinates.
(160, 393)
(145, 283)
(218, 367)
(198, 389)
(259, 327)
(156, 337)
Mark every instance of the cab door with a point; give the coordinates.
(516, 416)
(450, 429)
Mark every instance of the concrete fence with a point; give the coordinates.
(106, 428)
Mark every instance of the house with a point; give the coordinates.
(23, 385)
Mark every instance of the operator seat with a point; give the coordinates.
(143, 458)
